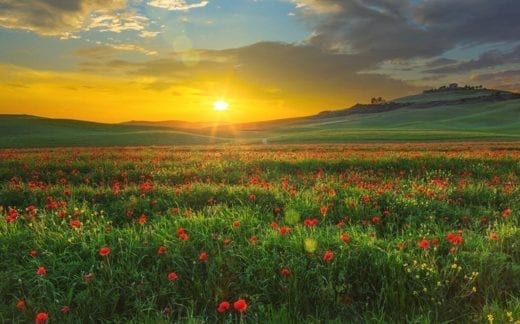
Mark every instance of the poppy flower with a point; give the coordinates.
(506, 212)
(65, 309)
(323, 210)
(375, 220)
(240, 305)
(285, 272)
(493, 236)
(253, 240)
(328, 256)
(345, 237)
(41, 271)
(311, 222)
(223, 307)
(236, 223)
(284, 230)
(20, 304)
(88, 277)
(75, 223)
(454, 239)
(142, 219)
(172, 276)
(104, 251)
(423, 244)
(41, 318)
(33, 253)
(203, 256)
(161, 250)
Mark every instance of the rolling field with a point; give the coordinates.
(379, 233)
(462, 115)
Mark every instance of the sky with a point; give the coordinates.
(121, 60)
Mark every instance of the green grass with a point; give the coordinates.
(387, 198)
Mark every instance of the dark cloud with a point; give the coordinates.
(52, 17)
(485, 60)
(280, 69)
(404, 29)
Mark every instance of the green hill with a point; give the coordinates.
(462, 114)
(18, 131)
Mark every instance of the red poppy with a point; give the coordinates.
(253, 240)
(88, 277)
(311, 222)
(172, 276)
(423, 244)
(161, 250)
(20, 304)
(223, 307)
(454, 239)
(75, 223)
(493, 236)
(183, 236)
(236, 223)
(345, 237)
(328, 256)
(33, 253)
(41, 271)
(506, 212)
(203, 256)
(41, 318)
(284, 230)
(143, 219)
(240, 305)
(285, 272)
(65, 309)
(323, 210)
(104, 251)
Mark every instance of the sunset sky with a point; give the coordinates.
(117, 60)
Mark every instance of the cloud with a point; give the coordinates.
(303, 75)
(320, 6)
(148, 34)
(117, 22)
(485, 60)
(52, 17)
(405, 29)
(504, 80)
(107, 50)
(179, 5)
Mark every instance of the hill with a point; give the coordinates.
(19, 131)
(462, 114)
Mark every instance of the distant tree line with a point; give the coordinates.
(377, 101)
(453, 86)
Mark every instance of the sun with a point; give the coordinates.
(220, 105)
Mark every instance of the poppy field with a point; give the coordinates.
(421, 233)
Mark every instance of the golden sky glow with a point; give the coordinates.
(118, 60)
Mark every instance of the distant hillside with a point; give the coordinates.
(31, 131)
(462, 114)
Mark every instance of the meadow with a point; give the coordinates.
(379, 233)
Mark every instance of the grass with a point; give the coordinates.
(301, 233)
